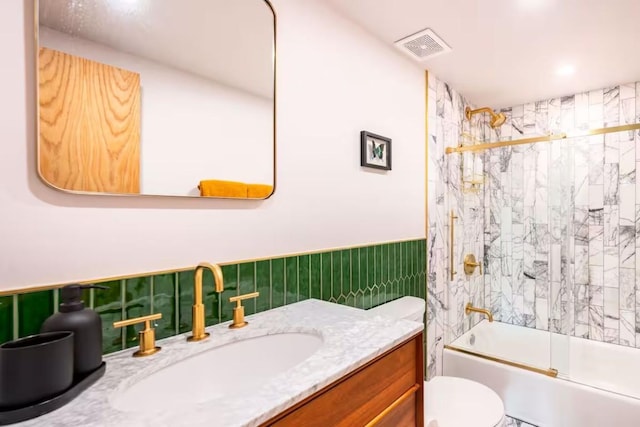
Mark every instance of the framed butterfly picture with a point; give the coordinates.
(375, 151)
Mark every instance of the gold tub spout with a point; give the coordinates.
(469, 308)
(198, 312)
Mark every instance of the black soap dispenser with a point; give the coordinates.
(85, 324)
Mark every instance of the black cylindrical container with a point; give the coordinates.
(35, 368)
(85, 324)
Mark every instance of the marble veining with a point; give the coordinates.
(578, 201)
(351, 338)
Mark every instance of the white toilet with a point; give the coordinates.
(449, 401)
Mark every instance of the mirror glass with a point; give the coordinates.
(157, 97)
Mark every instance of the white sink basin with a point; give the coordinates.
(234, 368)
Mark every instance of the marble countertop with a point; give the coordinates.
(351, 338)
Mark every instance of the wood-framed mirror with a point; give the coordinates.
(157, 97)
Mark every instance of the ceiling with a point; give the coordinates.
(509, 52)
(227, 41)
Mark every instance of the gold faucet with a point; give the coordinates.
(469, 308)
(198, 311)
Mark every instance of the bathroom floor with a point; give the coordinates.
(512, 422)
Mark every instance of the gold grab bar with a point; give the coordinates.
(468, 309)
(551, 372)
(452, 218)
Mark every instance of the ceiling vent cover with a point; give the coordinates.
(423, 45)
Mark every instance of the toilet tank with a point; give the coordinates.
(407, 308)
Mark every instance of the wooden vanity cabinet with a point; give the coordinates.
(386, 392)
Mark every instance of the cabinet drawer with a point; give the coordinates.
(403, 415)
(358, 398)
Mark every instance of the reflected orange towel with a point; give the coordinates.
(218, 188)
(259, 191)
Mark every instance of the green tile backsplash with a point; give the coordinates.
(361, 277)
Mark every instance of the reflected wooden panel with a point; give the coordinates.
(89, 124)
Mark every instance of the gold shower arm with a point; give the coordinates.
(468, 112)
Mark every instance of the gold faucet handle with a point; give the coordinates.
(147, 336)
(238, 310)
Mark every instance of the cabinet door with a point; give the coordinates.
(89, 124)
(368, 394)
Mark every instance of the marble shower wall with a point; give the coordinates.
(562, 219)
(446, 299)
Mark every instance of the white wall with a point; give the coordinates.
(333, 81)
(191, 128)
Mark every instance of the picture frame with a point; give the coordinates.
(375, 151)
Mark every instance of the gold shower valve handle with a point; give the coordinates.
(470, 264)
(146, 337)
(238, 310)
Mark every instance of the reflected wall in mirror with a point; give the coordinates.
(157, 97)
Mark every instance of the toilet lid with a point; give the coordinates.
(458, 402)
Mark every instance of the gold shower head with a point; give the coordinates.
(497, 119)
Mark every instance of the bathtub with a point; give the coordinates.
(551, 380)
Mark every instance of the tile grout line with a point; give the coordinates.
(284, 275)
(151, 293)
(123, 312)
(56, 300)
(16, 317)
(298, 277)
(309, 282)
(255, 286)
(270, 284)
(176, 301)
(321, 280)
(351, 271)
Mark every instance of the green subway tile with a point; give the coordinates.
(355, 270)
(400, 260)
(33, 310)
(315, 282)
(230, 275)
(379, 264)
(336, 277)
(303, 277)
(363, 271)
(164, 302)
(406, 259)
(392, 262)
(367, 299)
(217, 306)
(246, 278)
(6, 319)
(360, 299)
(371, 266)
(414, 256)
(213, 301)
(246, 285)
(351, 300)
(375, 296)
(263, 285)
(137, 304)
(382, 294)
(108, 304)
(185, 300)
(291, 279)
(345, 266)
(397, 254)
(325, 275)
(384, 263)
(277, 282)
